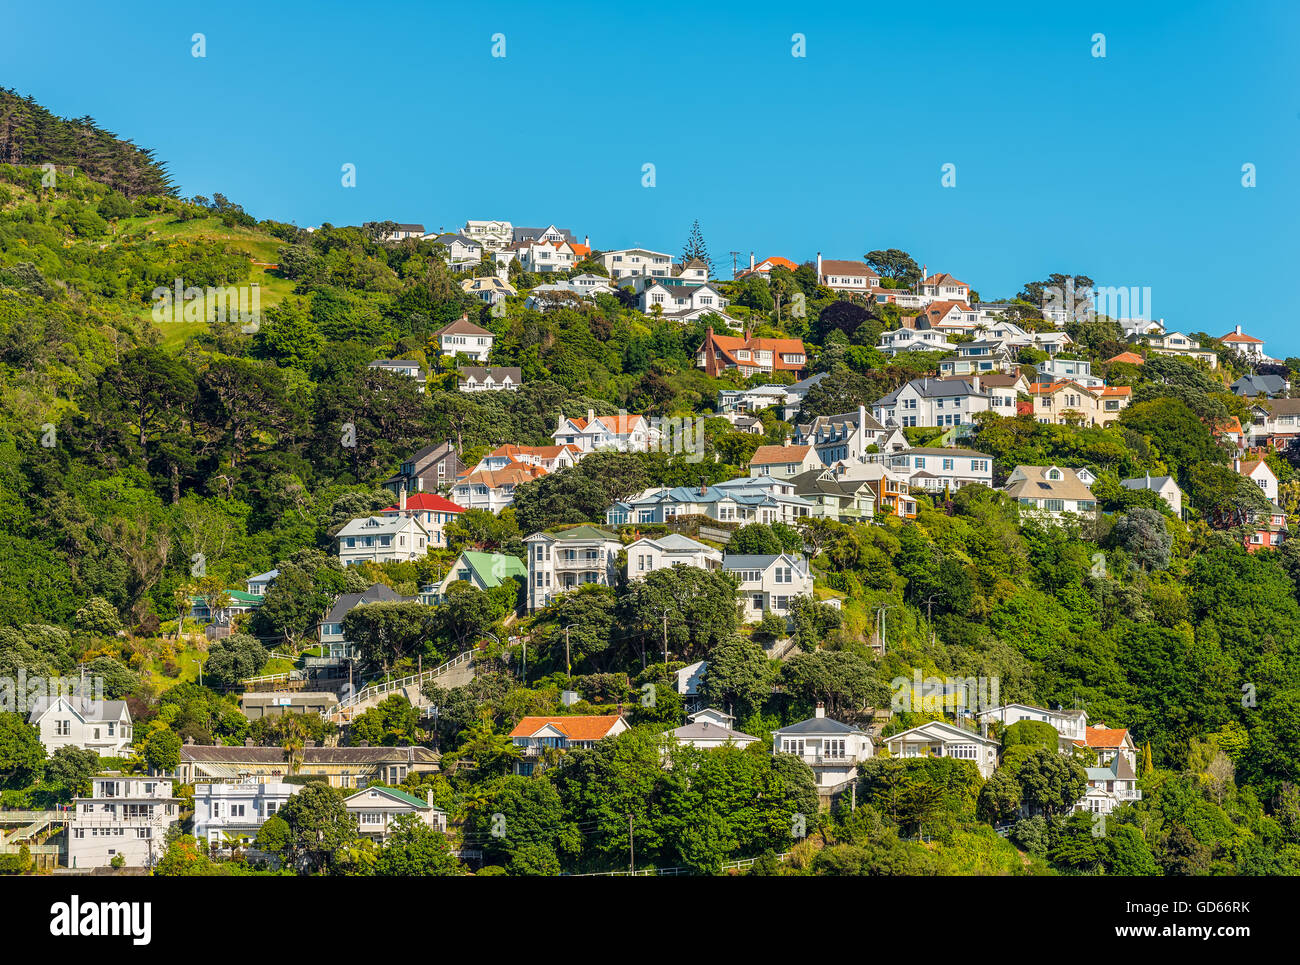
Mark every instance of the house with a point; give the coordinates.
(763, 269)
(935, 402)
(543, 298)
(488, 379)
(1176, 344)
(463, 337)
(330, 631)
(1074, 370)
(625, 262)
(534, 736)
(463, 251)
(342, 767)
(937, 738)
(483, 571)
(754, 399)
(1268, 386)
(681, 303)
(783, 460)
(276, 703)
(492, 235)
(1249, 346)
(375, 809)
(488, 289)
(648, 554)
(429, 469)
(219, 622)
(914, 340)
(71, 720)
(550, 458)
(769, 583)
(1049, 492)
(407, 367)
(1067, 402)
(984, 357)
(938, 469)
(942, 286)
(1258, 472)
(257, 585)
(1229, 431)
(550, 234)
(230, 813)
(688, 681)
(1109, 787)
(1274, 422)
(845, 437)
(1164, 486)
(541, 256)
(1071, 725)
(843, 501)
(950, 317)
(750, 499)
(832, 749)
(846, 276)
(1004, 389)
(1109, 743)
(623, 432)
(1265, 528)
(400, 232)
(889, 490)
(750, 355)
(126, 817)
(709, 729)
(493, 489)
(382, 539)
(433, 511)
(566, 559)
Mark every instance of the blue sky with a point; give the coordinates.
(1127, 168)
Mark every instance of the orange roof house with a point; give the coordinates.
(1132, 358)
(764, 267)
(535, 736)
(750, 355)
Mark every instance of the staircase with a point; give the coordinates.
(456, 672)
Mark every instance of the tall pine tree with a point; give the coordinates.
(696, 248)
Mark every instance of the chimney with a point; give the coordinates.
(586, 240)
(364, 744)
(591, 417)
(751, 266)
(1236, 465)
(821, 710)
(248, 742)
(819, 267)
(975, 383)
(1238, 330)
(704, 489)
(428, 797)
(401, 497)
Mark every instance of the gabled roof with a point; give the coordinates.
(586, 727)
(462, 326)
(939, 728)
(583, 532)
(1241, 337)
(835, 266)
(1131, 357)
(773, 455)
(492, 569)
(942, 278)
(498, 373)
(86, 708)
(397, 795)
(1105, 737)
(511, 475)
(703, 730)
(1036, 485)
(427, 502)
(815, 726)
(378, 593)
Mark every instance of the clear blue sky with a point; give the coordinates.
(1126, 168)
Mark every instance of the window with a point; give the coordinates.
(834, 748)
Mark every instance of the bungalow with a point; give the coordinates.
(375, 539)
(1050, 492)
(622, 432)
(463, 252)
(832, 749)
(783, 460)
(400, 232)
(648, 554)
(463, 337)
(483, 571)
(681, 303)
(750, 355)
(846, 276)
(746, 500)
(1176, 344)
(376, 808)
(1067, 402)
(432, 510)
(1163, 486)
(567, 559)
(938, 738)
(102, 726)
(769, 583)
(488, 379)
(534, 736)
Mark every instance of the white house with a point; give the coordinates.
(400, 232)
(102, 726)
(472, 378)
(942, 286)
(407, 367)
(382, 539)
(769, 583)
(375, 809)
(662, 552)
(488, 289)
(710, 728)
(330, 631)
(231, 813)
(1164, 486)
(914, 340)
(1071, 725)
(936, 402)
(124, 816)
(493, 489)
(623, 432)
(832, 749)
(464, 337)
(492, 235)
(569, 558)
(935, 469)
(432, 510)
(750, 499)
(463, 252)
(938, 738)
(637, 261)
(844, 437)
(1050, 492)
(1258, 472)
(846, 276)
(1076, 370)
(681, 303)
(1247, 345)
(257, 585)
(1109, 787)
(550, 458)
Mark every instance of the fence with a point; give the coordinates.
(738, 865)
(390, 686)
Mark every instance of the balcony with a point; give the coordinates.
(581, 562)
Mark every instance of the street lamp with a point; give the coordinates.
(880, 622)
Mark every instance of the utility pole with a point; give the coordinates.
(733, 263)
(568, 663)
(665, 640)
(631, 850)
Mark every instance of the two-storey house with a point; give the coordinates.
(831, 748)
(769, 583)
(565, 559)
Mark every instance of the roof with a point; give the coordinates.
(462, 326)
(373, 525)
(818, 725)
(1036, 485)
(499, 373)
(86, 708)
(266, 577)
(511, 475)
(1131, 357)
(942, 278)
(753, 561)
(221, 754)
(674, 541)
(429, 502)
(492, 569)
(771, 455)
(703, 730)
(585, 531)
(1241, 337)
(934, 388)
(833, 266)
(1148, 482)
(728, 345)
(1105, 737)
(378, 593)
(942, 451)
(399, 795)
(587, 727)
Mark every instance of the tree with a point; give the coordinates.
(162, 750)
(894, 264)
(738, 677)
(841, 680)
(1000, 797)
(393, 722)
(1145, 536)
(1051, 783)
(696, 248)
(72, 767)
(319, 825)
(97, 618)
(387, 631)
(685, 610)
(234, 658)
(765, 539)
(21, 751)
(415, 850)
(274, 835)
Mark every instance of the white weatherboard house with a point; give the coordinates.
(375, 808)
(831, 748)
(637, 261)
(1163, 486)
(624, 432)
(710, 728)
(937, 738)
(1109, 787)
(936, 468)
(102, 726)
(567, 559)
(769, 583)
(464, 337)
(937, 402)
(126, 816)
(647, 555)
(228, 814)
(382, 539)
(1071, 725)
